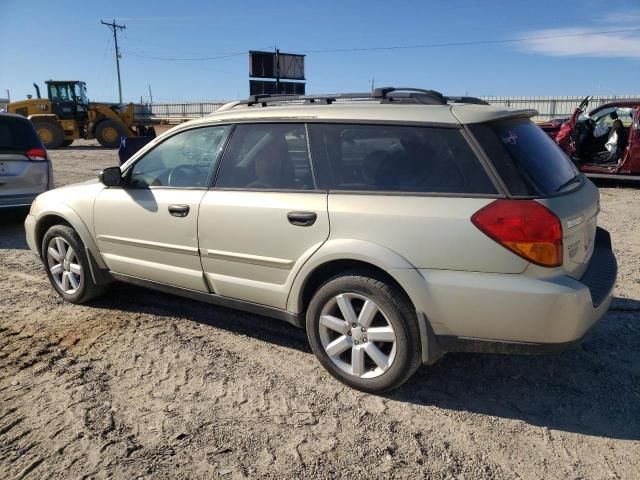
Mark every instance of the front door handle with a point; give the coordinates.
(302, 219)
(179, 210)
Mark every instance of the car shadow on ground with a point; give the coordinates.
(593, 389)
(12, 234)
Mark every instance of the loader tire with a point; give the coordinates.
(108, 133)
(50, 133)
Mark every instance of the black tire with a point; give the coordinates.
(398, 313)
(87, 288)
(109, 132)
(66, 143)
(50, 133)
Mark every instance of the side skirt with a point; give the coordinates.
(212, 298)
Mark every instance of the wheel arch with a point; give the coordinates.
(336, 256)
(339, 256)
(63, 214)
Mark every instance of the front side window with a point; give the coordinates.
(267, 156)
(397, 159)
(183, 160)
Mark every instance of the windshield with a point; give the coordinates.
(528, 160)
(68, 92)
(17, 134)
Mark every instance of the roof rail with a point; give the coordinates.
(404, 95)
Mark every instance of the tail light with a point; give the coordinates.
(525, 227)
(36, 154)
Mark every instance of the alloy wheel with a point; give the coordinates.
(64, 265)
(357, 335)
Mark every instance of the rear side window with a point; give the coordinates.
(16, 134)
(397, 159)
(267, 156)
(528, 160)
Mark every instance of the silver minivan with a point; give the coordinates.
(394, 226)
(25, 169)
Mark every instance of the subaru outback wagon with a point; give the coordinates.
(394, 226)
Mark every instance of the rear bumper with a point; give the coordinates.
(12, 201)
(511, 313)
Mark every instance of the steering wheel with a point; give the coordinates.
(183, 176)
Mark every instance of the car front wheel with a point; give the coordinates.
(364, 332)
(65, 260)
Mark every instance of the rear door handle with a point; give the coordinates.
(179, 210)
(302, 219)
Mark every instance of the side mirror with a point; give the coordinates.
(111, 177)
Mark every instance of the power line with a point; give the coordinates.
(403, 47)
(114, 28)
(227, 55)
(471, 43)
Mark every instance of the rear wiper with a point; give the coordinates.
(577, 178)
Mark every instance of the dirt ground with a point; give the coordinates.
(145, 385)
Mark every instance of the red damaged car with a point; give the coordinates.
(605, 143)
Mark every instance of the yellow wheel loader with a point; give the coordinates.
(67, 115)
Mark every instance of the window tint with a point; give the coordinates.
(527, 159)
(183, 160)
(17, 134)
(397, 158)
(267, 156)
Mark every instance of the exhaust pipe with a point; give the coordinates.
(37, 90)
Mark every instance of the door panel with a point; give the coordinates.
(250, 249)
(149, 228)
(631, 161)
(137, 235)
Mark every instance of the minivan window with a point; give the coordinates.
(17, 134)
(267, 156)
(183, 160)
(397, 159)
(528, 160)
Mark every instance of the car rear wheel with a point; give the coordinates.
(65, 260)
(364, 332)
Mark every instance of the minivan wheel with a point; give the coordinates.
(364, 332)
(65, 260)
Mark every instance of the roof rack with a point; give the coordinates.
(404, 95)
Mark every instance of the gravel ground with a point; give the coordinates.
(142, 384)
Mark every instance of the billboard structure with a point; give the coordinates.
(273, 67)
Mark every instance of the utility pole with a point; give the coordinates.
(277, 72)
(150, 95)
(114, 28)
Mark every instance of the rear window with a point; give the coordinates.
(528, 160)
(393, 158)
(17, 134)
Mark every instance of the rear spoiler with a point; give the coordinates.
(480, 114)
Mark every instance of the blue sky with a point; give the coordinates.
(63, 39)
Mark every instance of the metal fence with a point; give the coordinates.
(549, 107)
(176, 112)
(552, 107)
